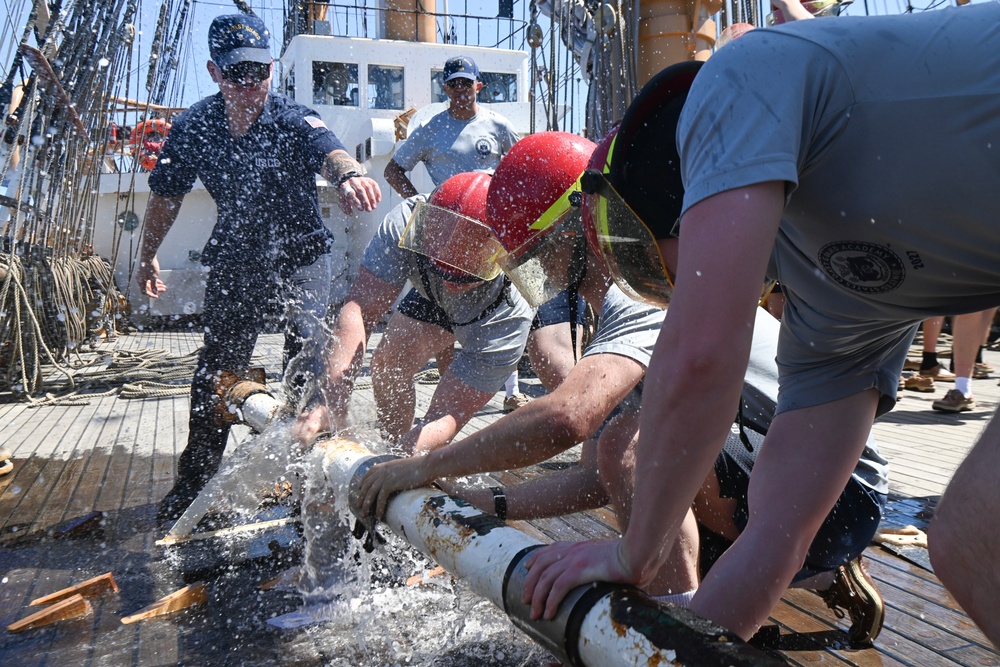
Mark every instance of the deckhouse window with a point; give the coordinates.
(336, 84)
(288, 82)
(385, 87)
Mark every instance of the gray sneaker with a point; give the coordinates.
(954, 401)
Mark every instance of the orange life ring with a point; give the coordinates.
(147, 141)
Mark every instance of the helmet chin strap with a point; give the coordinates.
(575, 273)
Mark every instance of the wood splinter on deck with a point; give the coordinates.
(905, 536)
(92, 588)
(188, 596)
(75, 606)
(420, 579)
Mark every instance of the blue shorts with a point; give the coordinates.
(556, 311)
(845, 533)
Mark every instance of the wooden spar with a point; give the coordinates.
(136, 104)
(43, 68)
(92, 588)
(75, 606)
(188, 596)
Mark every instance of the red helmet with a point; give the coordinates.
(449, 230)
(531, 185)
(529, 198)
(633, 189)
(465, 194)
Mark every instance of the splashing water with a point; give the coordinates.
(359, 609)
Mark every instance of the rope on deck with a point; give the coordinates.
(150, 373)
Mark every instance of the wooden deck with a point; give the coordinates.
(116, 457)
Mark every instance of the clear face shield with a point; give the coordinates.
(624, 243)
(455, 241)
(626, 246)
(540, 268)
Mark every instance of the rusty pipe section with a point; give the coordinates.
(603, 624)
(244, 398)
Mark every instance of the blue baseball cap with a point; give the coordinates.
(461, 67)
(237, 38)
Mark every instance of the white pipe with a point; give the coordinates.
(258, 410)
(601, 624)
(597, 625)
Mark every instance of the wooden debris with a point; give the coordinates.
(420, 579)
(75, 606)
(79, 525)
(92, 588)
(169, 539)
(188, 596)
(906, 536)
(287, 579)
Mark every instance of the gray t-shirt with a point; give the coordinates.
(491, 320)
(890, 151)
(630, 328)
(448, 146)
(626, 327)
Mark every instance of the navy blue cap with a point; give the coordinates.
(462, 67)
(237, 38)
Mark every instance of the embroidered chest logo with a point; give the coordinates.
(267, 162)
(862, 267)
(484, 147)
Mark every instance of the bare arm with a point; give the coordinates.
(397, 179)
(369, 299)
(357, 192)
(161, 213)
(694, 381)
(574, 489)
(533, 433)
(546, 426)
(453, 404)
(792, 10)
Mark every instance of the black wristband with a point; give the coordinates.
(499, 502)
(348, 176)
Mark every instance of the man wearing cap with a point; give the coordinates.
(258, 154)
(804, 156)
(464, 137)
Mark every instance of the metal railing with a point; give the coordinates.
(359, 20)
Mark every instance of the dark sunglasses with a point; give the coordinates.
(460, 82)
(246, 72)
